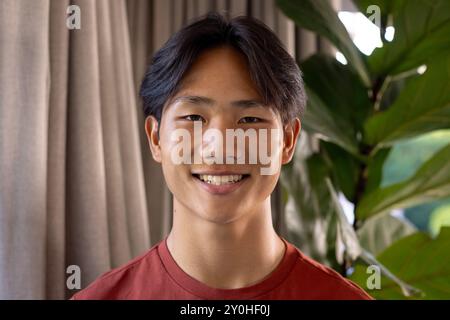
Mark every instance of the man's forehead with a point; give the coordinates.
(220, 56)
(219, 67)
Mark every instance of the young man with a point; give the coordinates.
(222, 77)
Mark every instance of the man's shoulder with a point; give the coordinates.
(323, 282)
(115, 283)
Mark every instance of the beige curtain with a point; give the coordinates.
(77, 182)
(71, 176)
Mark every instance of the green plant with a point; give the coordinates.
(358, 113)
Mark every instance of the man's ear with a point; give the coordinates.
(291, 134)
(151, 129)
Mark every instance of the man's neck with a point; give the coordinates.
(227, 256)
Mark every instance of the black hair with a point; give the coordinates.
(274, 72)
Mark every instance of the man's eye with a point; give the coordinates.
(193, 117)
(250, 120)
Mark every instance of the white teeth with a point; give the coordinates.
(219, 180)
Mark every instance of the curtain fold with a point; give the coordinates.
(24, 88)
(56, 162)
(144, 32)
(72, 175)
(78, 185)
(106, 206)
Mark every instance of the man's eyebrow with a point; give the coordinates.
(208, 101)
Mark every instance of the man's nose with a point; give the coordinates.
(214, 140)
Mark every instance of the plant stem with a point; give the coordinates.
(366, 150)
(361, 184)
(378, 88)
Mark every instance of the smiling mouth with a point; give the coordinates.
(219, 180)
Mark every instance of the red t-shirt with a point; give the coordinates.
(156, 275)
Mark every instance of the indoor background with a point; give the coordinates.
(78, 185)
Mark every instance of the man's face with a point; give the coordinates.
(218, 93)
